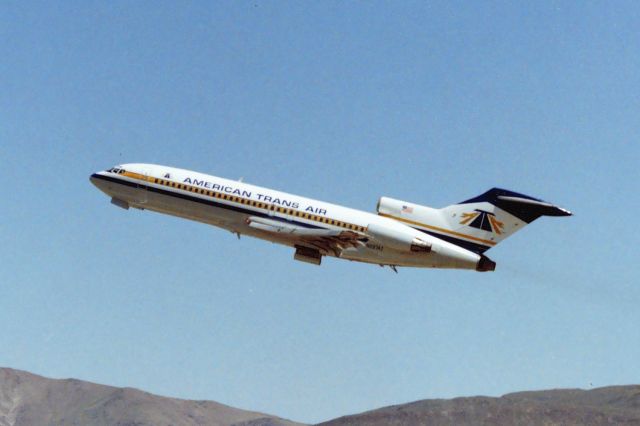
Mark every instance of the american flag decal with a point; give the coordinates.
(407, 209)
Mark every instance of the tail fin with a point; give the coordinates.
(476, 224)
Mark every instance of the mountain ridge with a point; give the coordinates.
(29, 399)
(611, 405)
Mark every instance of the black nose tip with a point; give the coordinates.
(94, 178)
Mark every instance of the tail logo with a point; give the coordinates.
(482, 220)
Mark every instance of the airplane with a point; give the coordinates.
(401, 234)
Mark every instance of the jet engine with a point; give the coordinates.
(398, 240)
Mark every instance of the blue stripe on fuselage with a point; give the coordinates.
(474, 247)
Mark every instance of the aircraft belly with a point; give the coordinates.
(236, 221)
(227, 219)
(191, 210)
(397, 258)
(368, 255)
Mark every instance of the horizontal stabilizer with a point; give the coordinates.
(521, 206)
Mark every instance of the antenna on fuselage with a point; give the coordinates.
(394, 268)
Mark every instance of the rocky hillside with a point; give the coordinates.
(616, 405)
(30, 400)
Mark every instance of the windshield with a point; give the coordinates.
(116, 169)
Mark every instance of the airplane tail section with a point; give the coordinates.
(476, 224)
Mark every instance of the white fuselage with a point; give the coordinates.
(232, 205)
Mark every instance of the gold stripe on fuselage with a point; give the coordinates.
(437, 229)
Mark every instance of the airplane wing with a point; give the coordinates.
(325, 240)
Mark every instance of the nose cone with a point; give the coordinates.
(95, 179)
(99, 181)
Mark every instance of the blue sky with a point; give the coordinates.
(432, 102)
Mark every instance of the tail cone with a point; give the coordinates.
(485, 264)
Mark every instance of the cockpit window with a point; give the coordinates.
(117, 170)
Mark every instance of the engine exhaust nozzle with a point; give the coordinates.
(485, 264)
